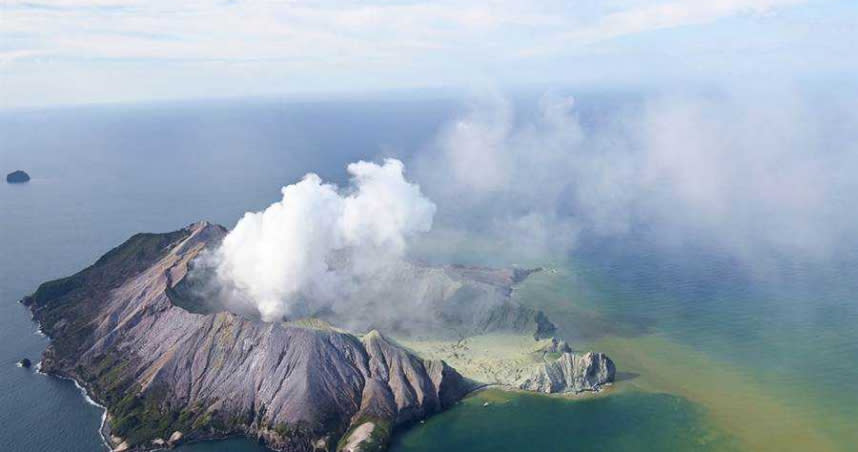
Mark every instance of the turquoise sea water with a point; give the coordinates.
(713, 355)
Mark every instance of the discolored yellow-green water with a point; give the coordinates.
(495, 420)
(719, 364)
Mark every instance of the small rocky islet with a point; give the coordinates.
(17, 177)
(169, 372)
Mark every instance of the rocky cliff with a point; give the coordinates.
(571, 372)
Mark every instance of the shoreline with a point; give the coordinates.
(603, 391)
(103, 427)
(508, 352)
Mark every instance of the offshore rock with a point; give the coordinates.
(17, 177)
(571, 372)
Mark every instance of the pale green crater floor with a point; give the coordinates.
(499, 359)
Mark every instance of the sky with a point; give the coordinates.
(61, 52)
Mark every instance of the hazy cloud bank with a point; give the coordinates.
(750, 173)
(82, 51)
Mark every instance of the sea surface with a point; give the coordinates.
(712, 355)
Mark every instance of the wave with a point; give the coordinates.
(89, 400)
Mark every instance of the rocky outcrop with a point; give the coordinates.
(571, 372)
(555, 346)
(164, 372)
(17, 177)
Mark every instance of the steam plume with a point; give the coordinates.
(313, 245)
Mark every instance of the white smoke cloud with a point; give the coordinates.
(316, 243)
(755, 173)
(513, 179)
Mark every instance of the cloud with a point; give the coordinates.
(11, 56)
(60, 48)
(516, 179)
(315, 245)
(643, 17)
(287, 30)
(754, 174)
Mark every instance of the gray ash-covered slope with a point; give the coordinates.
(426, 301)
(482, 302)
(160, 369)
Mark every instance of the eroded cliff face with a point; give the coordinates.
(167, 373)
(570, 372)
(160, 369)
